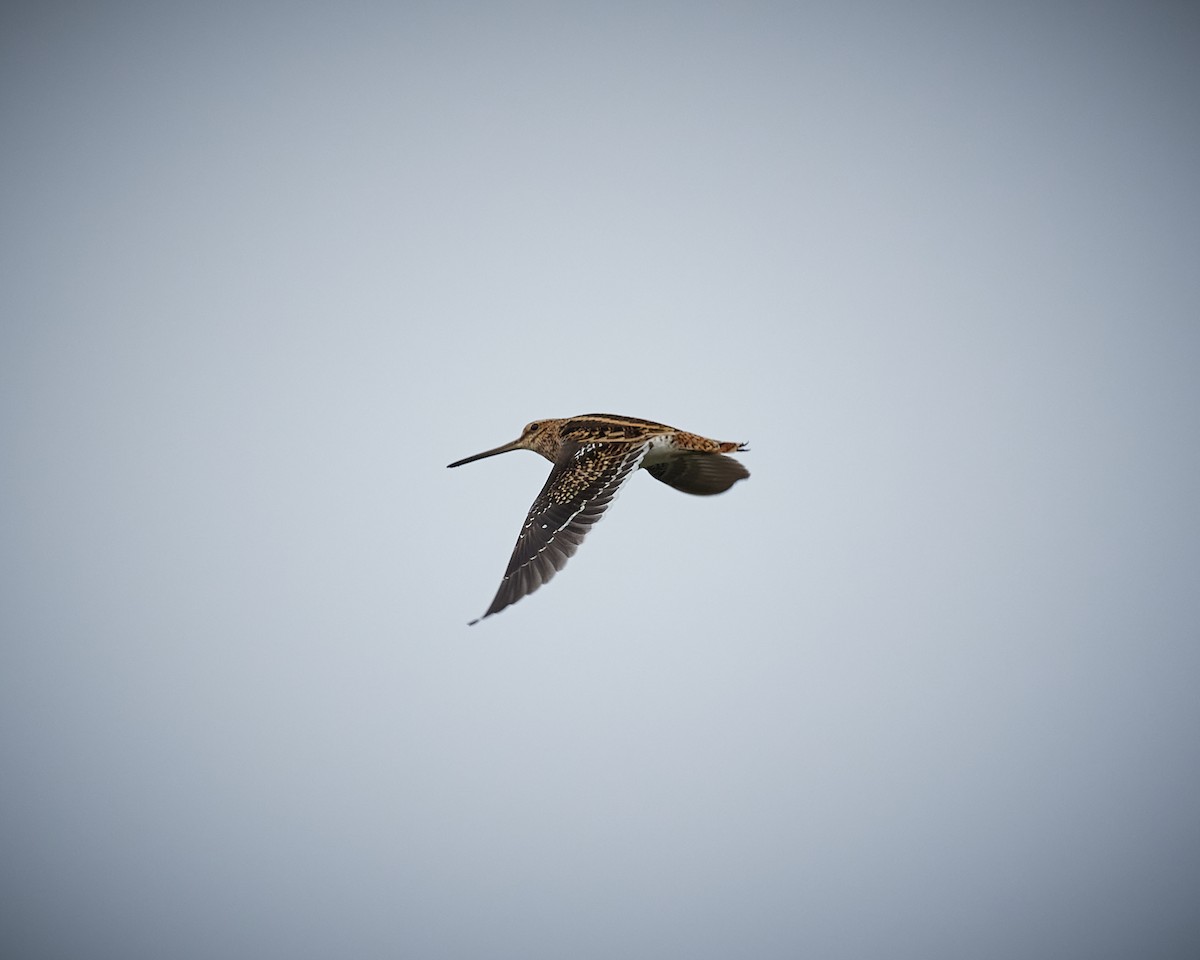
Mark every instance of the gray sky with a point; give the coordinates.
(923, 687)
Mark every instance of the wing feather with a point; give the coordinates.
(584, 482)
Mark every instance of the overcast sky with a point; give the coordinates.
(924, 687)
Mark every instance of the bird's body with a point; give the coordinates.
(593, 456)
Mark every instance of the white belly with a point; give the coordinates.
(661, 448)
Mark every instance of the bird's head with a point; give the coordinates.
(540, 436)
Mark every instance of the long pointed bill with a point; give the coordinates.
(486, 453)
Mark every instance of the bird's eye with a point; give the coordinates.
(533, 426)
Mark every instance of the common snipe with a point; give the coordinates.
(593, 455)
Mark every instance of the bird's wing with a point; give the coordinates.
(700, 473)
(585, 480)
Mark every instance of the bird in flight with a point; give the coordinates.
(593, 456)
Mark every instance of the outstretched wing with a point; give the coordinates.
(584, 481)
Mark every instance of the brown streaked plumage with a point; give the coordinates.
(593, 455)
